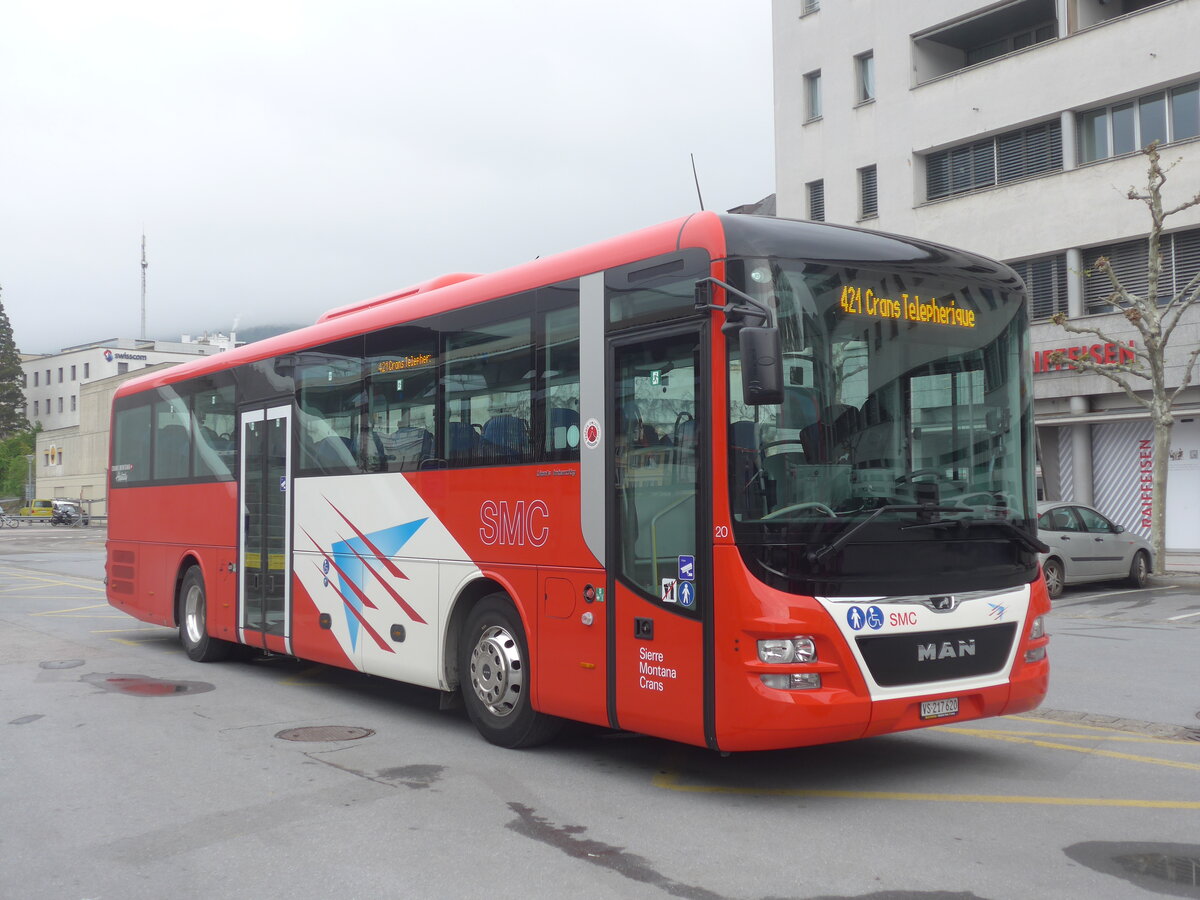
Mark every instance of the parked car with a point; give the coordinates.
(1085, 546)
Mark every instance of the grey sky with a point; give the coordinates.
(285, 158)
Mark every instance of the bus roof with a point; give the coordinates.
(719, 234)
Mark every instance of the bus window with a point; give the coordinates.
(214, 425)
(402, 370)
(172, 439)
(131, 450)
(560, 371)
(489, 394)
(329, 395)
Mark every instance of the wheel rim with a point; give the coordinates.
(1053, 579)
(193, 614)
(497, 673)
(1140, 568)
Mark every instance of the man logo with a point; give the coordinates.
(942, 603)
(927, 652)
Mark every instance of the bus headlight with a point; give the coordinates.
(796, 681)
(801, 649)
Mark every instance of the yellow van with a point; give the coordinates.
(37, 508)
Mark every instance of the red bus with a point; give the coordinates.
(735, 481)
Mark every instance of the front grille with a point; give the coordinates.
(924, 656)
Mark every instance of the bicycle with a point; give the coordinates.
(10, 521)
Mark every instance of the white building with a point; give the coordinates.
(53, 381)
(69, 394)
(1013, 129)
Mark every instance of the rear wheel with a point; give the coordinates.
(1139, 569)
(496, 676)
(1053, 570)
(193, 621)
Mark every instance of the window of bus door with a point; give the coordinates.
(657, 437)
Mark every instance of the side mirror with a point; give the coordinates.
(762, 369)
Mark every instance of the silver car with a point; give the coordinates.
(1085, 546)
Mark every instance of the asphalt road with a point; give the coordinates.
(127, 771)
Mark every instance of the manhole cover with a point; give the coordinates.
(325, 733)
(61, 663)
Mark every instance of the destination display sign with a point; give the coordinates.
(404, 363)
(858, 301)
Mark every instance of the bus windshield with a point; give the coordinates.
(904, 416)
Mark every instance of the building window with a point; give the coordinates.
(72, 373)
(1164, 116)
(60, 404)
(35, 407)
(35, 379)
(87, 370)
(1031, 151)
(47, 376)
(1129, 259)
(122, 368)
(60, 374)
(864, 67)
(977, 39)
(72, 403)
(868, 192)
(816, 200)
(1046, 284)
(812, 96)
(809, 7)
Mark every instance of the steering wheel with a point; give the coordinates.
(799, 507)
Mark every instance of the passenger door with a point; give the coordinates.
(659, 567)
(264, 541)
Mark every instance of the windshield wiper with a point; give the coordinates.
(815, 556)
(1019, 535)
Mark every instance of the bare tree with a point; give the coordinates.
(1155, 317)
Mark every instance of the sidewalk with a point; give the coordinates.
(1183, 562)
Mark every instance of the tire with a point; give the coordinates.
(495, 677)
(1053, 571)
(193, 621)
(1139, 569)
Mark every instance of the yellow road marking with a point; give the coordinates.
(1091, 751)
(669, 781)
(1125, 737)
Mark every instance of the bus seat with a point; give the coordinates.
(409, 447)
(506, 439)
(171, 452)
(462, 441)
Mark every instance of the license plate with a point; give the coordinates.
(939, 709)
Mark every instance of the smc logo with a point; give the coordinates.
(514, 525)
(902, 618)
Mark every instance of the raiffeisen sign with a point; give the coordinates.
(1109, 354)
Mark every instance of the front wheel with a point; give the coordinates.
(1053, 571)
(193, 621)
(495, 677)
(1139, 569)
